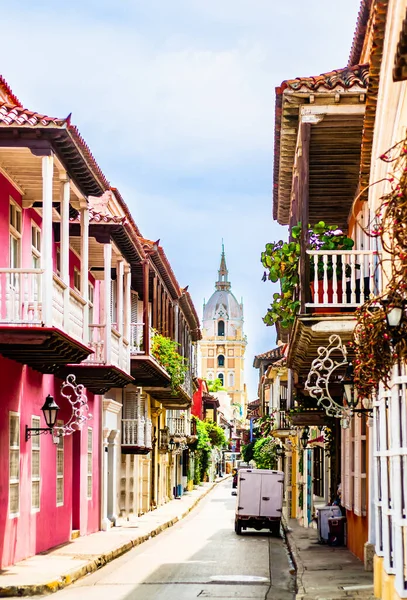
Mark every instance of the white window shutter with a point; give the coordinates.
(131, 406)
(347, 501)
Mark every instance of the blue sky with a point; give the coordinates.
(176, 100)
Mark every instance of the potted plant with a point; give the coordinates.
(281, 259)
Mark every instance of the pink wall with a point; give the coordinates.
(33, 532)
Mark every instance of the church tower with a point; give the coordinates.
(223, 341)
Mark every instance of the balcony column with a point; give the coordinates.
(85, 268)
(176, 322)
(46, 246)
(120, 306)
(146, 327)
(107, 254)
(155, 301)
(112, 473)
(127, 303)
(105, 523)
(64, 247)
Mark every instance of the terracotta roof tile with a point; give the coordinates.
(17, 115)
(360, 32)
(7, 91)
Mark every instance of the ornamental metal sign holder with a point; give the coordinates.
(331, 360)
(75, 394)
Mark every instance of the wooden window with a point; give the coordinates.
(221, 360)
(77, 279)
(15, 235)
(35, 466)
(91, 297)
(35, 245)
(60, 468)
(90, 463)
(14, 464)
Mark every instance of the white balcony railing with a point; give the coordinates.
(21, 301)
(179, 426)
(343, 278)
(136, 338)
(137, 432)
(119, 348)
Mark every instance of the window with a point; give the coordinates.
(77, 279)
(60, 468)
(221, 360)
(58, 262)
(210, 376)
(15, 235)
(231, 379)
(91, 296)
(14, 464)
(35, 466)
(35, 246)
(221, 327)
(221, 377)
(90, 461)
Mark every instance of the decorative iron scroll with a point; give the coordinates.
(75, 394)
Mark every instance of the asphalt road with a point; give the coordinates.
(200, 557)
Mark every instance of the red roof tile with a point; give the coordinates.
(360, 31)
(4, 86)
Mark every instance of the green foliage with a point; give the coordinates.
(281, 259)
(264, 453)
(216, 434)
(214, 385)
(202, 447)
(266, 424)
(247, 452)
(165, 351)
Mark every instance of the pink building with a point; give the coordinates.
(64, 309)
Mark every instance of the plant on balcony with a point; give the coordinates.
(281, 259)
(216, 434)
(166, 352)
(214, 385)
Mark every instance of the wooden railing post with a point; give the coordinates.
(64, 247)
(146, 321)
(46, 249)
(303, 205)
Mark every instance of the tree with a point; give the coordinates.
(216, 434)
(264, 453)
(214, 385)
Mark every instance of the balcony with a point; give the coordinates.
(341, 282)
(152, 376)
(136, 436)
(26, 335)
(283, 424)
(109, 365)
(182, 428)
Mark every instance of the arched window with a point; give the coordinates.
(221, 377)
(210, 376)
(221, 327)
(231, 379)
(221, 360)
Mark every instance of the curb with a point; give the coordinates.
(295, 557)
(97, 563)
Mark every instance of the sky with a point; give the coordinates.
(176, 101)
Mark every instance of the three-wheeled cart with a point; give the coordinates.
(259, 500)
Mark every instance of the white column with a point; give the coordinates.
(112, 471)
(85, 269)
(176, 324)
(120, 285)
(64, 247)
(105, 523)
(107, 252)
(46, 246)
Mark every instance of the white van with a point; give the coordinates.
(259, 500)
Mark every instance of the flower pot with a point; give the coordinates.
(329, 307)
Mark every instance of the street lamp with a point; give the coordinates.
(50, 411)
(304, 438)
(171, 444)
(349, 386)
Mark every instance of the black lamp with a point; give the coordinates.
(304, 438)
(279, 450)
(394, 309)
(171, 444)
(50, 411)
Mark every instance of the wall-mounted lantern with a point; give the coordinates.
(50, 411)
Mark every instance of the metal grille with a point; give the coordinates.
(35, 465)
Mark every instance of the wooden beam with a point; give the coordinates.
(303, 209)
(146, 326)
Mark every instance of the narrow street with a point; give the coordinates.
(200, 557)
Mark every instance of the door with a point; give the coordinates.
(271, 497)
(309, 485)
(248, 493)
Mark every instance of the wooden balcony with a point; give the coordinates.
(342, 281)
(109, 364)
(136, 436)
(181, 427)
(283, 424)
(24, 334)
(152, 376)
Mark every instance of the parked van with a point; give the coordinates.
(259, 500)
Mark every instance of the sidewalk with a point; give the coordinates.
(59, 567)
(325, 572)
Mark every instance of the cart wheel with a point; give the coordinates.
(238, 527)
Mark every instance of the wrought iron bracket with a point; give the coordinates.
(30, 431)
